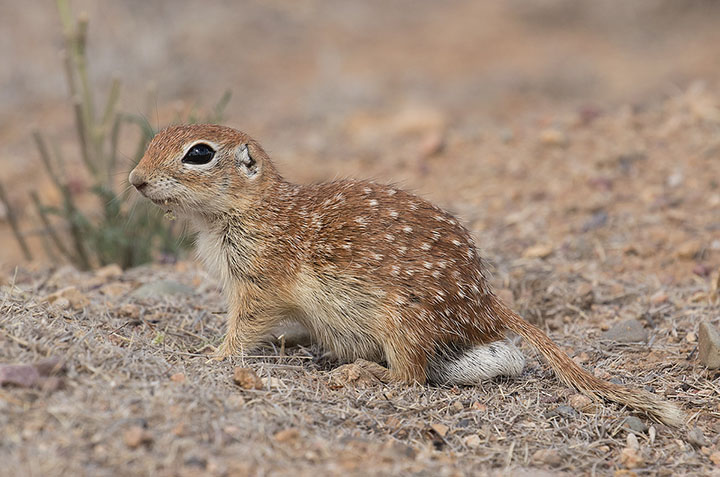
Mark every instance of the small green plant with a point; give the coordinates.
(118, 229)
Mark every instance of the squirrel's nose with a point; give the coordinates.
(138, 180)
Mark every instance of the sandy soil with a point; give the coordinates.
(579, 142)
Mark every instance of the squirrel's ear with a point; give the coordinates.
(245, 161)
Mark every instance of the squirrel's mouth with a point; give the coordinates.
(164, 202)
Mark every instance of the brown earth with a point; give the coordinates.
(579, 141)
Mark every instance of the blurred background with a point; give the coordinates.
(419, 92)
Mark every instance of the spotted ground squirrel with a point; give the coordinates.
(371, 271)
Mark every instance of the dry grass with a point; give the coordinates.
(631, 236)
(118, 375)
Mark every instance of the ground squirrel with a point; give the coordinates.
(371, 271)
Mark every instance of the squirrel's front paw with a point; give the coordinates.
(224, 351)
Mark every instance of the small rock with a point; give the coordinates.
(114, 290)
(630, 458)
(553, 137)
(547, 457)
(40, 375)
(689, 250)
(20, 375)
(675, 179)
(561, 411)
(715, 458)
(635, 424)
(691, 337)
(701, 270)
(287, 435)
(581, 402)
(179, 430)
(74, 297)
(109, 271)
(538, 251)
(177, 378)
(473, 440)
(659, 298)
(161, 288)
(246, 378)
(441, 429)
(709, 346)
(696, 437)
(478, 406)
(129, 310)
(630, 331)
(137, 436)
(632, 441)
(62, 303)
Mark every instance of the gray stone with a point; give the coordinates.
(635, 424)
(696, 437)
(709, 345)
(161, 288)
(562, 411)
(630, 331)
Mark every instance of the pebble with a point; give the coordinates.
(246, 378)
(581, 402)
(547, 456)
(696, 437)
(630, 331)
(561, 411)
(177, 378)
(137, 436)
(553, 137)
(709, 346)
(70, 296)
(109, 271)
(20, 375)
(688, 250)
(441, 429)
(287, 435)
(538, 251)
(129, 310)
(635, 424)
(659, 298)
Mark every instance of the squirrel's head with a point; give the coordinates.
(202, 169)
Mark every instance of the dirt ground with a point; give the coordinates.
(579, 141)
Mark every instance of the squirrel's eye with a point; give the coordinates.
(199, 154)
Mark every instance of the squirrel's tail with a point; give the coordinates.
(575, 376)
